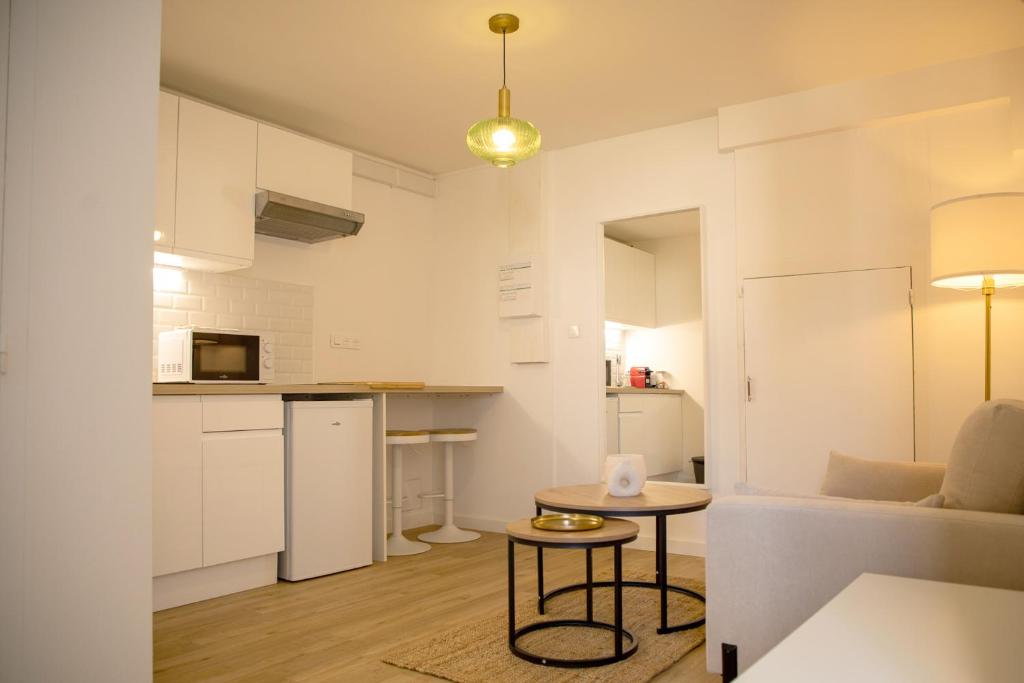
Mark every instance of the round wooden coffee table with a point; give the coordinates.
(658, 500)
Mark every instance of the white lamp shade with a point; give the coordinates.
(977, 238)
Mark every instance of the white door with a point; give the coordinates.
(829, 362)
(302, 167)
(243, 495)
(329, 490)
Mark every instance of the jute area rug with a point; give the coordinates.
(477, 652)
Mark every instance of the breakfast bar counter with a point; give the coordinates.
(168, 389)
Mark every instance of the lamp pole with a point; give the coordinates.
(988, 288)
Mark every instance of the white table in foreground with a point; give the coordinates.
(889, 628)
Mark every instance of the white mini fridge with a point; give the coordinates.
(328, 488)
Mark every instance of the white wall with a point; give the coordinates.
(860, 198)
(75, 478)
(662, 170)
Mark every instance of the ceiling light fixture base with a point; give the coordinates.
(504, 23)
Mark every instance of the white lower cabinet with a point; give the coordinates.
(243, 495)
(652, 425)
(177, 484)
(218, 496)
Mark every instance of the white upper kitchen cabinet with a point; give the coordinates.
(302, 167)
(166, 170)
(177, 484)
(214, 188)
(629, 288)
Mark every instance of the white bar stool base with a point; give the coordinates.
(398, 544)
(449, 534)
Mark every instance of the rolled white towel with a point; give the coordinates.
(625, 474)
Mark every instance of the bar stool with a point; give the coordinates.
(449, 533)
(398, 544)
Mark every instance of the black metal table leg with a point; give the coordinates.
(540, 575)
(511, 593)
(590, 584)
(618, 601)
(661, 546)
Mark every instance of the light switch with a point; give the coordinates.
(345, 341)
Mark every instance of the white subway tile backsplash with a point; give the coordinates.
(229, 321)
(279, 296)
(280, 310)
(229, 292)
(256, 296)
(242, 307)
(187, 302)
(171, 318)
(202, 319)
(211, 304)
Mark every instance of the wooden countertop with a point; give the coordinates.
(633, 390)
(235, 389)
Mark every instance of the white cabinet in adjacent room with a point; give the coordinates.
(302, 167)
(243, 495)
(652, 425)
(629, 285)
(177, 484)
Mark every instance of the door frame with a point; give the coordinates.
(709, 472)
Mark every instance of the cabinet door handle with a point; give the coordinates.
(335, 424)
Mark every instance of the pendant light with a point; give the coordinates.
(503, 140)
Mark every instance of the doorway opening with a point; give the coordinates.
(654, 343)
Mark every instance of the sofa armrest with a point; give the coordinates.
(773, 562)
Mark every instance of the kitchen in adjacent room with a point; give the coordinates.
(654, 343)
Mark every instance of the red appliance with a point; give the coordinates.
(640, 377)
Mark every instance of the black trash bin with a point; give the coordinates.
(698, 468)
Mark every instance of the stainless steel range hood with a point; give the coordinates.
(292, 218)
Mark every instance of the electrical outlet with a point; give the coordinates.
(345, 341)
(412, 490)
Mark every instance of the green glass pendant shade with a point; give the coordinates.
(503, 140)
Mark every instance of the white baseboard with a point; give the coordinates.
(675, 546)
(173, 590)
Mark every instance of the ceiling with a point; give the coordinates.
(657, 226)
(404, 79)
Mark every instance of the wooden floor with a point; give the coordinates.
(336, 628)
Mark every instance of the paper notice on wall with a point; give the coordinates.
(518, 285)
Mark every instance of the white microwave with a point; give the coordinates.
(207, 356)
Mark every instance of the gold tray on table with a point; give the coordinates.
(561, 521)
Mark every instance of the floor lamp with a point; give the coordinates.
(978, 244)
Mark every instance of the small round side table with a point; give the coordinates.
(614, 534)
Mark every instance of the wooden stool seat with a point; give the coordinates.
(452, 434)
(407, 436)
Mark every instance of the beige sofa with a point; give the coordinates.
(774, 561)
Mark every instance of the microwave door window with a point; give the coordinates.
(225, 357)
(228, 359)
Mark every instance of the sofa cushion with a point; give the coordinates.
(849, 477)
(986, 464)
